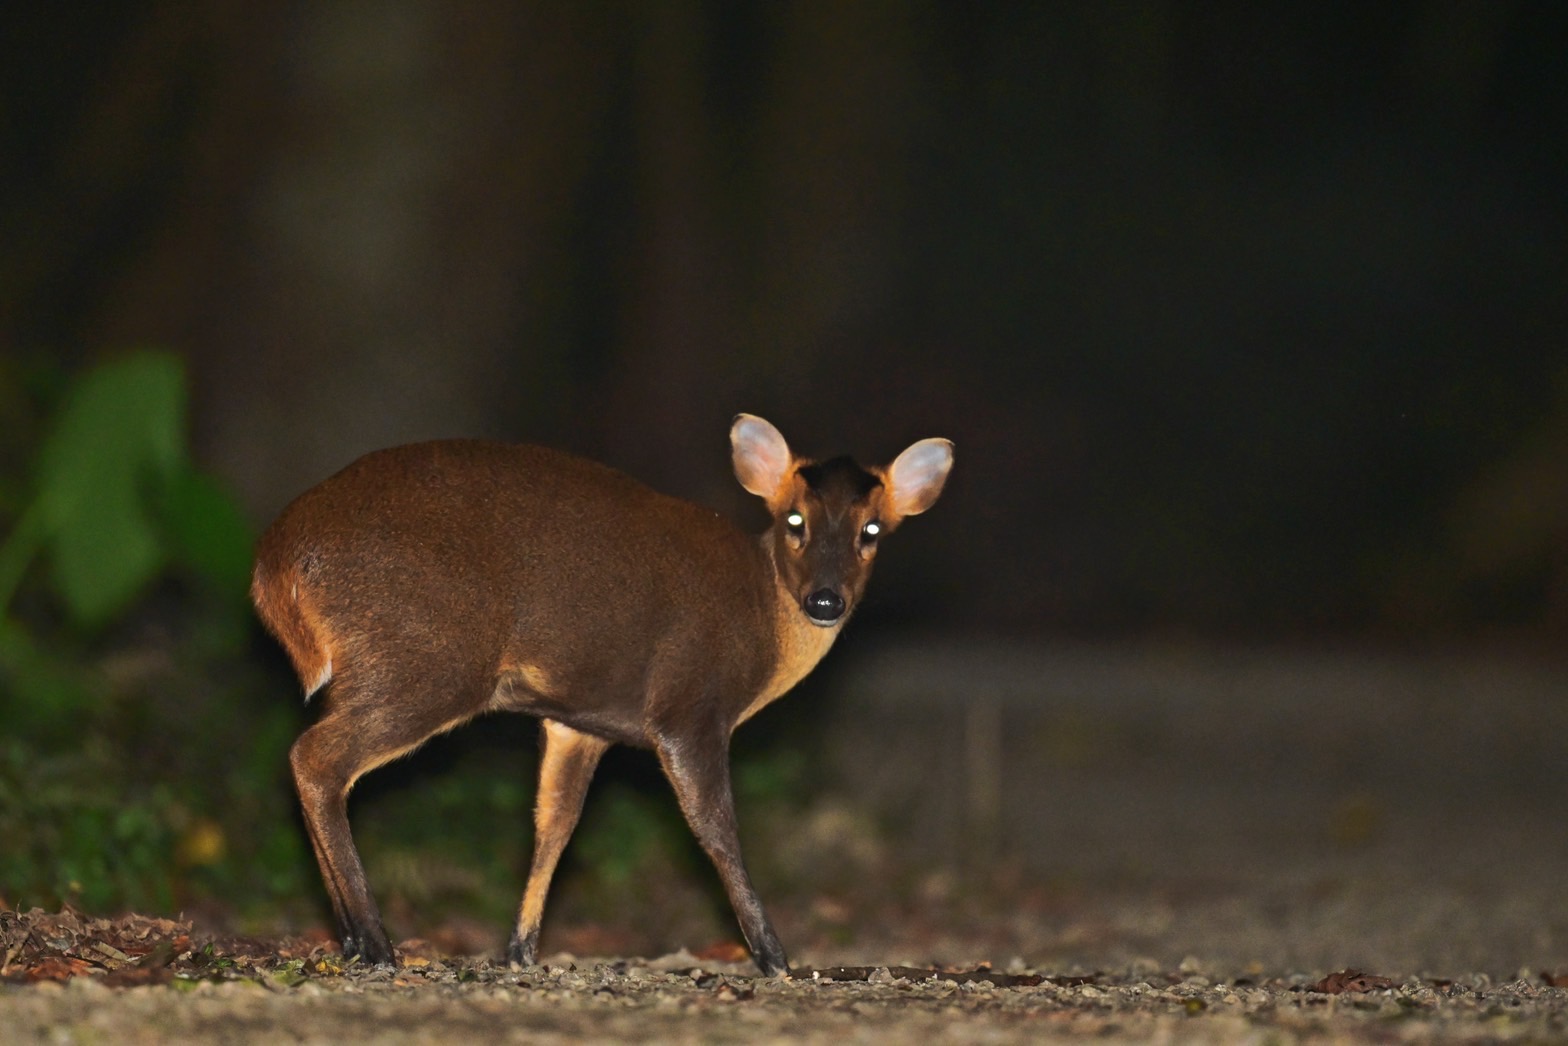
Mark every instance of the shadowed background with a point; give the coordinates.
(1243, 317)
(1246, 319)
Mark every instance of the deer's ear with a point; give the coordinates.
(762, 459)
(917, 476)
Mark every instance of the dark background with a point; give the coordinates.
(1246, 318)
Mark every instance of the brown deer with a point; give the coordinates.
(432, 583)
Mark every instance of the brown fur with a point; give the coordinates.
(434, 582)
(301, 634)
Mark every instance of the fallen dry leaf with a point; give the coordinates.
(39, 946)
(1351, 981)
(723, 951)
(416, 951)
(54, 968)
(137, 976)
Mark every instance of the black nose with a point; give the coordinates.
(824, 606)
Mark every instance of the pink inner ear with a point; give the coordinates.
(918, 475)
(762, 458)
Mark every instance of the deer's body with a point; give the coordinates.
(425, 585)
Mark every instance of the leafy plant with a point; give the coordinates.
(142, 742)
(75, 835)
(116, 499)
(107, 794)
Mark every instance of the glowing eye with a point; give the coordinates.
(869, 532)
(795, 522)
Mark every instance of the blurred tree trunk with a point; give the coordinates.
(364, 223)
(406, 234)
(361, 222)
(763, 251)
(833, 167)
(669, 397)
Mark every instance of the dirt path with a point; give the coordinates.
(71, 979)
(634, 1002)
(1242, 850)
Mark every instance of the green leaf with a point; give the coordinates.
(46, 697)
(128, 412)
(289, 976)
(103, 558)
(118, 435)
(208, 531)
(17, 552)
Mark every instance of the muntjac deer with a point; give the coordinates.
(432, 583)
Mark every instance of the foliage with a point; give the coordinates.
(628, 830)
(116, 499)
(142, 740)
(448, 832)
(100, 847)
(125, 766)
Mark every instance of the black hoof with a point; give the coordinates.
(772, 964)
(522, 951)
(371, 951)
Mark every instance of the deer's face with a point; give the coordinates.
(825, 535)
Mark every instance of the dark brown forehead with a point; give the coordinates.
(838, 479)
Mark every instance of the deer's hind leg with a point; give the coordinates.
(366, 723)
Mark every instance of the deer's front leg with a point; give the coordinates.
(699, 768)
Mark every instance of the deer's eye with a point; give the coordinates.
(796, 524)
(870, 532)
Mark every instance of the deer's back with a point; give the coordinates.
(490, 556)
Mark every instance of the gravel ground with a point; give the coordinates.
(676, 1001)
(1251, 848)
